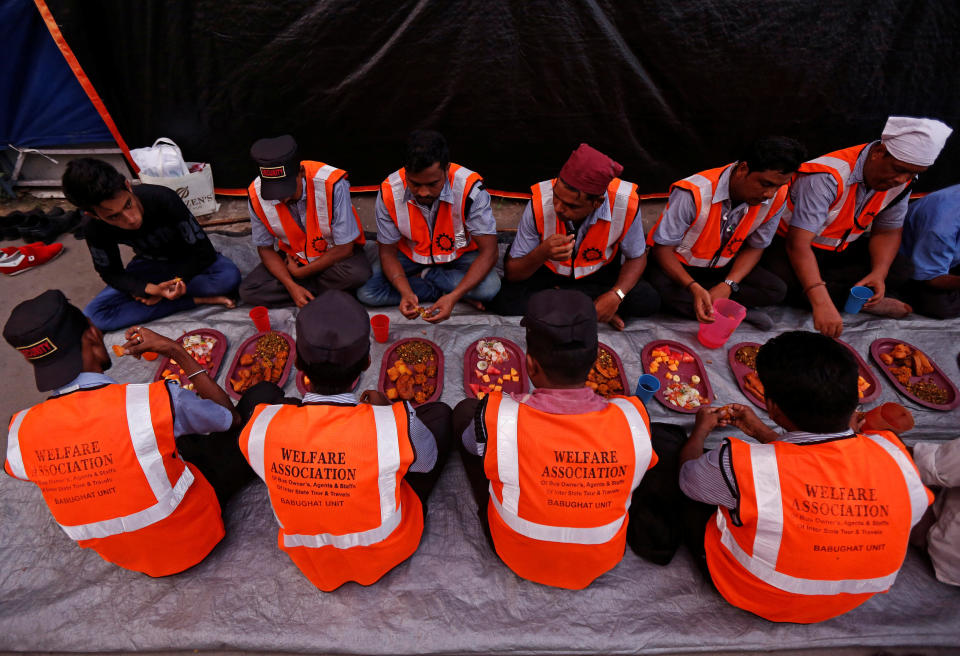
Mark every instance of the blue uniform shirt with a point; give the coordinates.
(931, 234)
(191, 414)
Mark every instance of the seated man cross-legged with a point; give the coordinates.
(304, 209)
(581, 231)
(369, 466)
(809, 524)
(844, 220)
(175, 266)
(709, 239)
(436, 235)
(553, 471)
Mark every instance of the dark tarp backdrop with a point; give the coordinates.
(41, 102)
(666, 87)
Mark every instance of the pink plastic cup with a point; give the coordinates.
(261, 318)
(727, 316)
(381, 327)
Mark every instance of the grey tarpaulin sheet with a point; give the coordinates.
(453, 595)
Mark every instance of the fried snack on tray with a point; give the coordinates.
(266, 363)
(604, 376)
(900, 351)
(752, 382)
(412, 376)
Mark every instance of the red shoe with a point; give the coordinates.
(27, 257)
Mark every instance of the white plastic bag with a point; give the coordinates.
(161, 160)
(195, 189)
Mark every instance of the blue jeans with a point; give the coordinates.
(113, 309)
(436, 280)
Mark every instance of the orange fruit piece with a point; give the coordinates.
(150, 356)
(119, 351)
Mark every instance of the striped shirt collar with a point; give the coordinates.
(802, 437)
(345, 398)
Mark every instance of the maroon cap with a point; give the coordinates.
(590, 171)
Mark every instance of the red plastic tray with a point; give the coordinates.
(740, 372)
(249, 346)
(517, 361)
(885, 345)
(874, 390)
(623, 374)
(219, 350)
(685, 370)
(390, 356)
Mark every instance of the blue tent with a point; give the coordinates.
(41, 102)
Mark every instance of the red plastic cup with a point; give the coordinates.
(381, 327)
(261, 318)
(727, 315)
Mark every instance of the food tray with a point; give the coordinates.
(516, 361)
(216, 355)
(249, 346)
(885, 345)
(623, 375)
(390, 357)
(740, 372)
(873, 391)
(685, 370)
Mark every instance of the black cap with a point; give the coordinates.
(47, 330)
(277, 159)
(566, 317)
(333, 328)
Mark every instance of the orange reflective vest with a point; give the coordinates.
(702, 244)
(304, 245)
(335, 479)
(450, 238)
(560, 486)
(842, 227)
(818, 529)
(602, 241)
(106, 463)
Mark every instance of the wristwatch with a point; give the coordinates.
(618, 292)
(734, 286)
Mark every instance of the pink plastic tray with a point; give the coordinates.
(740, 372)
(250, 346)
(873, 391)
(685, 370)
(516, 361)
(390, 357)
(216, 355)
(885, 345)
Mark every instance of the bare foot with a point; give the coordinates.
(473, 303)
(226, 301)
(889, 307)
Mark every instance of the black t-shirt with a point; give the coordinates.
(169, 233)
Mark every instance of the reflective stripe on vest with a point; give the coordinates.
(319, 213)
(401, 215)
(388, 461)
(757, 215)
(14, 457)
(508, 469)
(769, 527)
(840, 169)
(148, 455)
(269, 209)
(619, 205)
